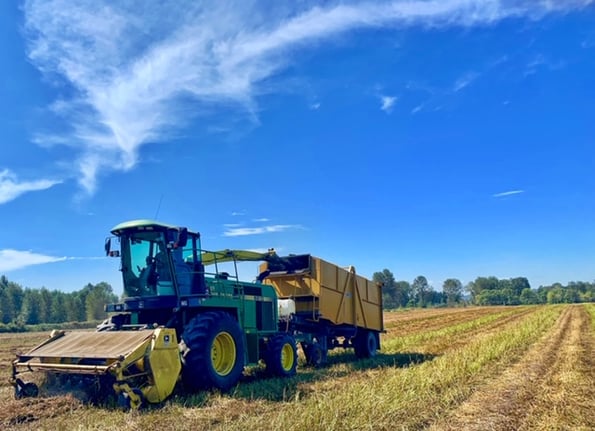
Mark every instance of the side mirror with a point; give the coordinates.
(108, 249)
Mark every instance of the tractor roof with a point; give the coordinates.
(143, 224)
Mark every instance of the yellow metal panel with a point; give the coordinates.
(165, 364)
(95, 345)
(344, 297)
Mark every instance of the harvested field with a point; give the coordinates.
(476, 368)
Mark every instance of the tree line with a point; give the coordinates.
(23, 306)
(481, 291)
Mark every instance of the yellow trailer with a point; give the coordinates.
(328, 305)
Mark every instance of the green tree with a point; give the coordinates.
(529, 296)
(403, 292)
(45, 305)
(480, 284)
(421, 291)
(555, 295)
(453, 289)
(30, 312)
(6, 306)
(14, 294)
(75, 311)
(58, 312)
(389, 289)
(96, 299)
(491, 297)
(519, 284)
(571, 295)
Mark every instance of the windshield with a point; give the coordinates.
(144, 262)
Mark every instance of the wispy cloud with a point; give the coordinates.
(387, 103)
(464, 81)
(418, 108)
(134, 75)
(540, 61)
(11, 260)
(261, 220)
(509, 193)
(244, 231)
(11, 188)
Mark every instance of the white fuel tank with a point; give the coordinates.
(286, 308)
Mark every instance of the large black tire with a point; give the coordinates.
(212, 349)
(281, 355)
(365, 344)
(315, 355)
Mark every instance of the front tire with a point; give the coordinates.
(212, 349)
(281, 355)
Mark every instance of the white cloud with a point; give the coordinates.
(417, 108)
(315, 106)
(11, 188)
(244, 231)
(11, 260)
(387, 103)
(509, 193)
(135, 72)
(464, 81)
(261, 220)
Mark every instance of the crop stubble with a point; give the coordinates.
(440, 369)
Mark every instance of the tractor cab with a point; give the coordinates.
(158, 259)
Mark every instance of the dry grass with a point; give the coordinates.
(497, 368)
(535, 392)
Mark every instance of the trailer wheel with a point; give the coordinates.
(315, 354)
(281, 355)
(365, 344)
(212, 350)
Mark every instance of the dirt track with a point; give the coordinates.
(533, 394)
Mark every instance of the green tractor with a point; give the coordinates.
(181, 319)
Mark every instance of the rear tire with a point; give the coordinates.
(281, 355)
(315, 354)
(212, 349)
(365, 344)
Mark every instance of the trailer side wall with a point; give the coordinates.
(333, 293)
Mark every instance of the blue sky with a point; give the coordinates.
(450, 138)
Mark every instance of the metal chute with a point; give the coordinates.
(227, 255)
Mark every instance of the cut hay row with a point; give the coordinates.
(533, 394)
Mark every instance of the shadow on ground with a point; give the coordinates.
(256, 384)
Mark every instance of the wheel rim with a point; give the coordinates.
(223, 353)
(287, 357)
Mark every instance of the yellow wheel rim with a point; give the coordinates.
(223, 353)
(287, 357)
